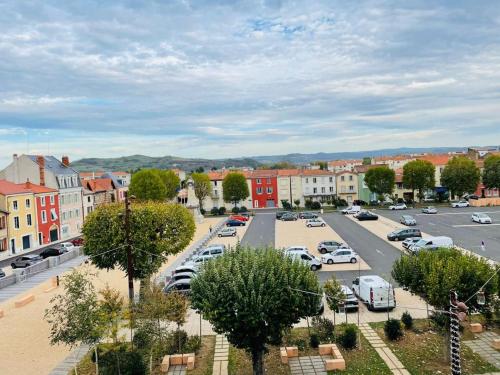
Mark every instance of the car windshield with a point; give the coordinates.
(482, 215)
(421, 242)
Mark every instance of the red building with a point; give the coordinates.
(47, 211)
(264, 188)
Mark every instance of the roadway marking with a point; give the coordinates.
(380, 252)
(474, 225)
(431, 223)
(470, 212)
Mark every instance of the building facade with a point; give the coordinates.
(264, 191)
(347, 186)
(47, 213)
(318, 185)
(4, 234)
(289, 187)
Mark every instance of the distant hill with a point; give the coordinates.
(135, 162)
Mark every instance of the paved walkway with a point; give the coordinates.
(309, 365)
(383, 350)
(482, 346)
(177, 370)
(220, 356)
(69, 363)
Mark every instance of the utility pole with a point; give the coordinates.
(130, 260)
(454, 335)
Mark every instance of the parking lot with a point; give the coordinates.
(457, 224)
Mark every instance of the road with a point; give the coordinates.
(261, 230)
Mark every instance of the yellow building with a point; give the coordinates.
(19, 202)
(347, 186)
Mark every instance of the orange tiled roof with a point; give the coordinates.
(339, 163)
(100, 184)
(436, 159)
(395, 157)
(37, 189)
(346, 172)
(10, 188)
(288, 172)
(316, 172)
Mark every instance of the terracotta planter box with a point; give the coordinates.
(476, 328)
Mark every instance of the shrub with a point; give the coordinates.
(308, 204)
(315, 205)
(203, 211)
(392, 329)
(120, 360)
(176, 342)
(439, 320)
(235, 210)
(243, 209)
(324, 328)
(348, 339)
(222, 210)
(407, 320)
(214, 211)
(341, 203)
(193, 344)
(314, 341)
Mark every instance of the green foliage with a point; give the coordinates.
(367, 160)
(286, 205)
(323, 165)
(296, 202)
(380, 180)
(349, 337)
(235, 210)
(214, 211)
(148, 185)
(491, 173)
(235, 188)
(121, 360)
(308, 204)
(222, 210)
(157, 230)
(202, 186)
(324, 328)
(243, 209)
(171, 181)
(460, 176)
(407, 320)
(176, 342)
(432, 274)
(258, 301)
(393, 330)
(315, 205)
(334, 294)
(75, 316)
(419, 175)
(314, 341)
(279, 165)
(193, 345)
(111, 305)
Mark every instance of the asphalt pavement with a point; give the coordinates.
(261, 230)
(457, 224)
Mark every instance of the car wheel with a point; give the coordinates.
(13, 265)
(322, 251)
(353, 260)
(369, 306)
(314, 267)
(329, 261)
(220, 235)
(323, 224)
(309, 225)
(234, 234)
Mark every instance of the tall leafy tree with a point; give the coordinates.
(367, 160)
(171, 181)
(147, 184)
(157, 230)
(264, 293)
(334, 294)
(202, 187)
(380, 180)
(235, 188)
(419, 175)
(491, 172)
(460, 175)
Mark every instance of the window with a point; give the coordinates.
(14, 205)
(28, 220)
(268, 180)
(350, 178)
(88, 199)
(44, 217)
(307, 180)
(16, 222)
(53, 214)
(28, 203)
(62, 199)
(342, 178)
(351, 187)
(331, 179)
(77, 212)
(269, 190)
(331, 189)
(259, 181)
(70, 214)
(42, 201)
(215, 193)
(323, 190)
(52, 199)
(2, 222)
(314, 180)
(215, 183)
(259, 190)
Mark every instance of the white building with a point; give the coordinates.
(318, 185)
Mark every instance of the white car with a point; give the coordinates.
(351, 210)
(458, 204)
(398, 206)
(479, 217)
(67, 246)
(315, 223)
(227, 232)
(429, 210)
(340, 256)
(296, 248)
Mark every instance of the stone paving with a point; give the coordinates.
(177, 370)
(482, 346)
(383, 350)
(69, 363)
(220, 355)
(308, 365)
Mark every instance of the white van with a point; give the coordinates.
(431, 243)
(351, 210)
(304, 256)
(375, 292)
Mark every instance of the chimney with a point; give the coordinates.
(41, 169)
(14, 156)
(65, 161)
(27, 185)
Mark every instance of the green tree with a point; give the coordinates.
(334, 295)
(380, 180)
(323, 165)
(147, 185)
(202, 187)
(419, 175)
(367, 160)
(460, 175)
(279, 165)
(261, 298)
(171, 181)
(112, 305)
(491, 173)
(157, 230)
(235, 188)
(297, 203)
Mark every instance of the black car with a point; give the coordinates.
(2, 273)
(471, 196)
(235, 223)
(52, 252)
(288, 217)
(403, 234)
(308, 215)
(362, 216)
(359, 202)
(279, 214)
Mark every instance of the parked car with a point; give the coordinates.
(197, 262)
(308, 215)
(235, 223)
(279, 214)
(238, 217)
(185, 268)
(289, 217)
(296, 248)
(410, 241)
(403, 234)
(340, 256)
(408, 220)
(67, 246)
(212, 251)
(2, 273)
(462, 203)
(227, 232)
(26, 261)
(315, 223)
(350, 300)
(375, 292)
(77, 241)
(329, 246)
(398, 206)
(471, 196)
(429, 199)
(479, 217)
(351, 210)
(303, 256)
(366, 215)
(182, 286)
(179, 276)
(429, 210)
(359, 202)
(431, 243)
(53, 252)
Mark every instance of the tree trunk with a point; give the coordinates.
(258, 362)
(96, 361)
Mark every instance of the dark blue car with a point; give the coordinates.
(235, 223)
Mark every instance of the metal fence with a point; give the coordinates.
(7, 281)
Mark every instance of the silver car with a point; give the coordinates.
(408, 220)
(26, 261)
(329, 246)
(429, 210)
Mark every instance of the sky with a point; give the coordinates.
(225, 78)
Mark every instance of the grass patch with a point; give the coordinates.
(422, 351)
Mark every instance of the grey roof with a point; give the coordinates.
(55, 165)
(113, 178)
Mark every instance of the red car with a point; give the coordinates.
(238, 217)
(77, 242)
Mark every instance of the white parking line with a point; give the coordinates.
(458, 213)
(380, 252)
(474, 225)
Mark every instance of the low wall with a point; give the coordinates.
(484, 202)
